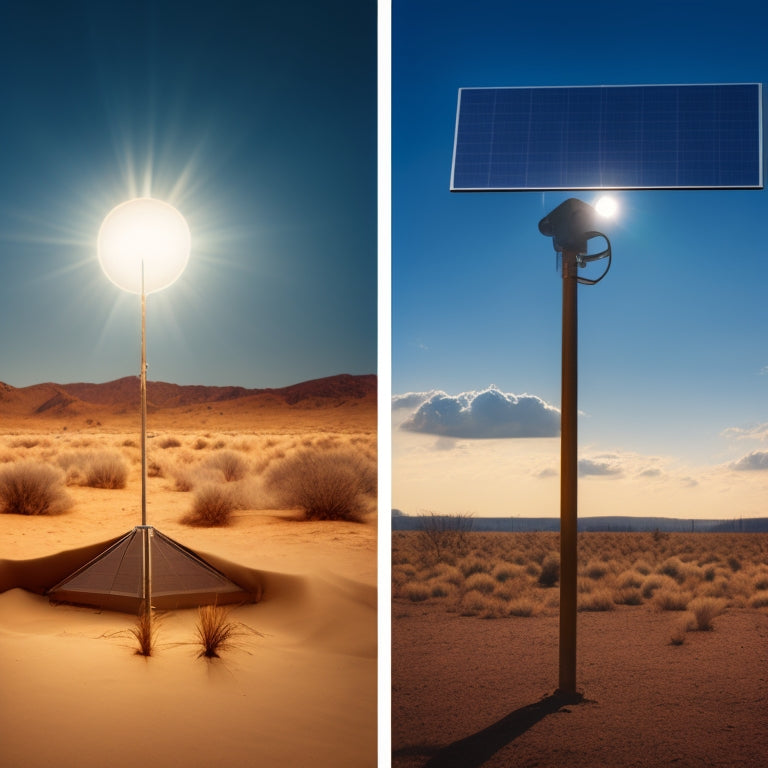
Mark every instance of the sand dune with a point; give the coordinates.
(298, 686)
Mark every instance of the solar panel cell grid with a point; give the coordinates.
(622, 137)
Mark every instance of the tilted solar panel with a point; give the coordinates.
(609, 137)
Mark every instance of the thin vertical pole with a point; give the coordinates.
(146, 557)
(568, 477)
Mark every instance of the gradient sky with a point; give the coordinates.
(673, 376)
(257, 121)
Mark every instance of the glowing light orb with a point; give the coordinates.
(607, 206)
(147, 232)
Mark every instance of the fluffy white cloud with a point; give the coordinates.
(486, 414)
(756, 460)
(412, 399)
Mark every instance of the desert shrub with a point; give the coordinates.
(643, 567)
(439, 588)
(504, 572)
(231, 465)
(200, 444)
(596, 569)
(25, 442)
(212, 506)
(32, 488)
(760, 580)
(550, 570)
(330, 485)
(214, 630)
(521, 607)
(494, 608)
(629, 579)
(450, 573)
(482, 582)
(734, 563)
(656, 581)
(671, 567)
(472, 603)
(679, 630)
(671, 600)
(170, 442)
(105, 470)
(441, 535)
(599, 600)
(759, 599)
(705, 609)
(628, 596)
(473, 564)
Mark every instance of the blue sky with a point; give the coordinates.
(673, 368)
(257, 121)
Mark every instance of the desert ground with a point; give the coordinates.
(672, 652)
(295, 686)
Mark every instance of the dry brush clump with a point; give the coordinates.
(95, 469)
(518, 570)
(338, 484)
(32, 488)
(212, 507)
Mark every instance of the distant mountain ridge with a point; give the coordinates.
(124, 394)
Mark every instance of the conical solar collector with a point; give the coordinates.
(180, 578)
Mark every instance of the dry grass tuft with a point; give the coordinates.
(145, 632)
(599, 600)
(705, 610)
(32, 488)
(214, 630)
(671, 600)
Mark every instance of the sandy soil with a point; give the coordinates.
(298, 688)
(469, 692)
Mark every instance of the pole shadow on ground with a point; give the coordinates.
(473, 751)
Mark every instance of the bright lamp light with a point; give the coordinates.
(143, 232)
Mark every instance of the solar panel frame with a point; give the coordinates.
(609, 137)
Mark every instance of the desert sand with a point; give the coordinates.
(298, 686)
(470, 691)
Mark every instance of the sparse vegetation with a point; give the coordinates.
(32, 488)
(511, 574)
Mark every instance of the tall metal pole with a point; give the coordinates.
(146, 561)
(568, 477)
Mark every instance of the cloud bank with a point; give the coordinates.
(486, 414)
(757, 460)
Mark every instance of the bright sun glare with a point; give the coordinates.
(144, 231)
(607, 206)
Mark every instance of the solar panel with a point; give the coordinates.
(609, 137)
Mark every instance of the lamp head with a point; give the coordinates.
(570, 225)
(146, 236)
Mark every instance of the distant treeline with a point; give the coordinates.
(618, 524)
